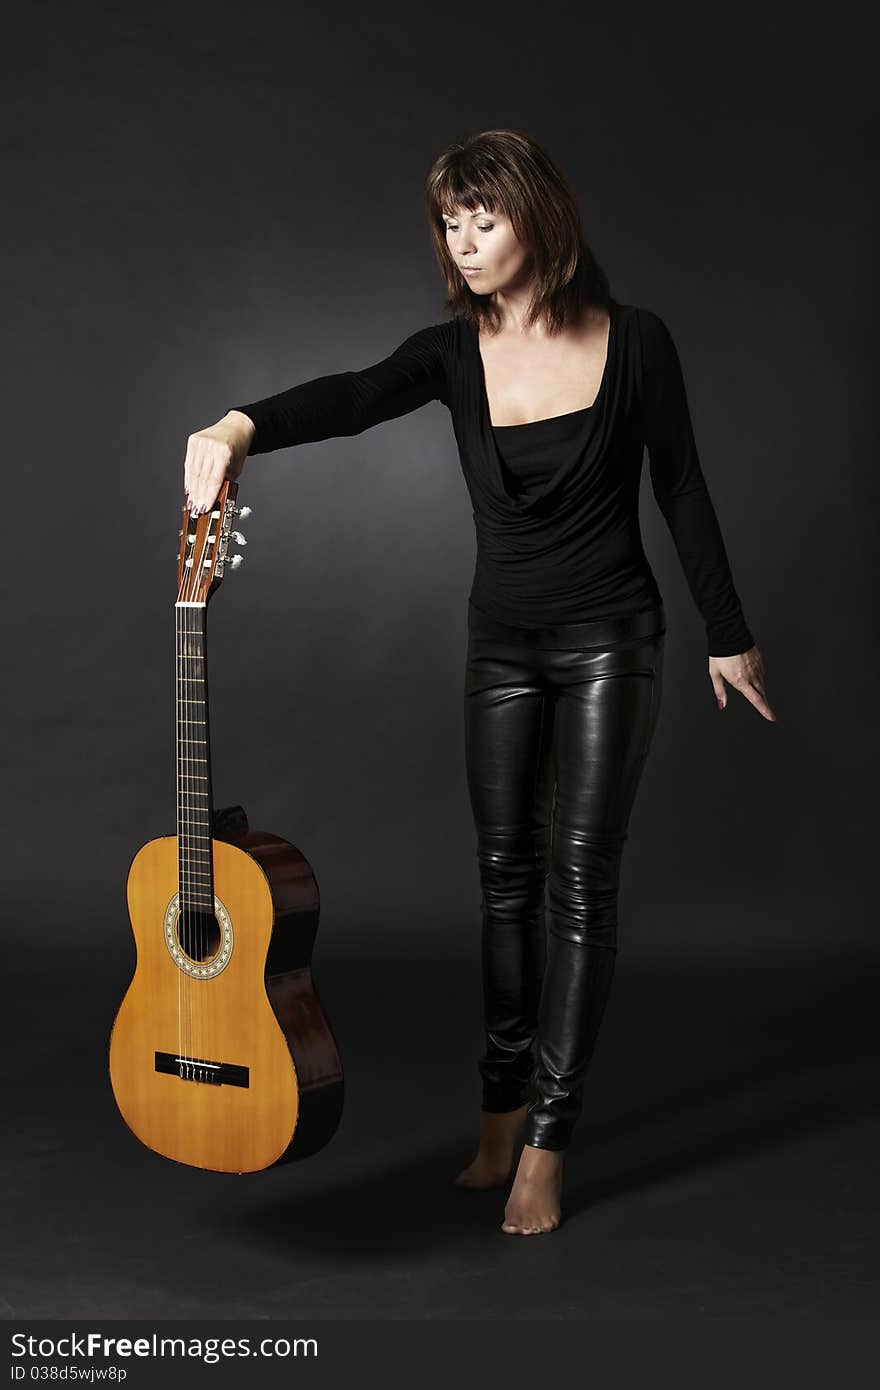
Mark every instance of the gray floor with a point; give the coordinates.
(725, 1164)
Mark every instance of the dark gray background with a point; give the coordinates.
(206, 204)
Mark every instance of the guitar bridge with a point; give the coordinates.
(200, 1069)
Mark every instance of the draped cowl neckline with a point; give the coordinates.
(587, 441)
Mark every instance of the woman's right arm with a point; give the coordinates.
(345, 403)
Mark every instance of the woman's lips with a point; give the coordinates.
(471, 269)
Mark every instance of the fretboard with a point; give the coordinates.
(195, 810)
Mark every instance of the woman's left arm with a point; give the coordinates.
(683, 497)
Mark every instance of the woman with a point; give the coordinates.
(554, 389)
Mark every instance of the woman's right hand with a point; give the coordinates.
(214, 454)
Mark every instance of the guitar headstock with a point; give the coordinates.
(204, 546)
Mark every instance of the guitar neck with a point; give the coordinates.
(195, 810)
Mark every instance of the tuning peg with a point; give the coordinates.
(235, 560)
(238, 538)
(241, 511)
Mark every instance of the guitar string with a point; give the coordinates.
(189, 1013)
(181, 897)
(181, 728)
(202, 856)
(190, 850)
(206, 844)
(203, 847)
(186, 884)
(185, 874)
(192, 855)
(192, 907)
(188, 855)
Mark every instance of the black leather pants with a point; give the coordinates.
(558, 723)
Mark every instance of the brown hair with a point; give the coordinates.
(508, 172)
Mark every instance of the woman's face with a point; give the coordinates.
(486, 250)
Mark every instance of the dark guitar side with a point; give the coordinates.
(291, 989)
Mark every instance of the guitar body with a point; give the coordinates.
(235, 1069)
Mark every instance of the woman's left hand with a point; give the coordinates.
(746, 674)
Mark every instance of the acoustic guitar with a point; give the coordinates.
(220, 1053)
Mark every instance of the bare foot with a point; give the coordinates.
(534, 1202)
(498, 1135)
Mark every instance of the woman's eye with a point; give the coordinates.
(486, 228)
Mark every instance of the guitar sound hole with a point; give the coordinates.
(199, 934)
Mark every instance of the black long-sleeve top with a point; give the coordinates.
(567, 547)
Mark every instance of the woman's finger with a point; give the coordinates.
(756, 697)
(196, 471)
